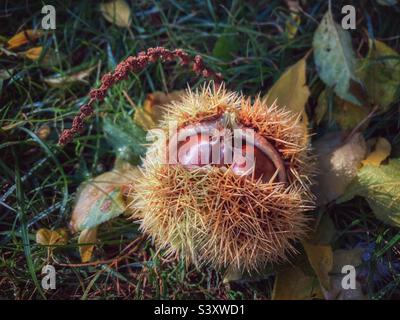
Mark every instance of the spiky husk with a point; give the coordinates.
(209, 214)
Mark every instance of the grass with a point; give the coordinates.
(39, 180)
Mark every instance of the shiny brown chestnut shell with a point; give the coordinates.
(195, 144)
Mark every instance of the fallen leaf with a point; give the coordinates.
(292, 25)
(291, 90)
(126, 138)
(226, 45)
(293, 20)
(324, 99)
(342, 257)
(348, 115)
(153, 108)
(380, 186)
(33, 53)
(292, 284)
(23, 37)
(48, 237)
(117, 12)
(101, 199)
(335, 60)
(43, 131)
(333, 110)
(338, 164)
(380, 71)
(325, 232)
(321, 260)
(87, 240)
(58, 81)
(381, 152)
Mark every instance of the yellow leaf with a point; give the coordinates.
(144, 119)
(23, 37)
(292, 25)
(43, 131)
(381, 152)
(321, 260)
(380, 71)
(87, 240)
(117, 12)
(346, 114)
(48, 237)
(293, 284)
(322, 107)
(153, 108)
(291, 90)
(33, 53)
(342, 257)
(325, 232)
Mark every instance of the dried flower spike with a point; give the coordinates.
(121, 72)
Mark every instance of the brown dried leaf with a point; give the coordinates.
(153, 108)
(48, 237)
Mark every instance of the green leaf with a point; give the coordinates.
(380, 186)
(126, 138)
(380, 72)
(335, 60)
(226, 45)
